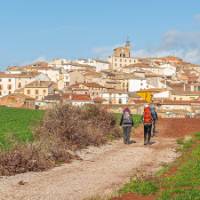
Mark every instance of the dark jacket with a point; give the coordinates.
(154, 113)
(123, 123)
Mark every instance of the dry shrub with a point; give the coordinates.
(79, 127)
(63, 130)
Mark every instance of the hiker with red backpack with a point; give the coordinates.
(127, 124)
(147, 121)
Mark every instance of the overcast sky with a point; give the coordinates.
(45, 29)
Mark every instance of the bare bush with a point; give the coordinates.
(79, 127)
(63, 130)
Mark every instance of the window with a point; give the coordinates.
(0, 87)
(36, 92)
(28, 92)
(0, 79)
(9, 92)
(19, 85)
(120, 101)
(9, 80)
(9, 87)
(0, 93)
(44, 91)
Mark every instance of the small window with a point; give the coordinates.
(9, 80)
(19, 85)
(9, 92)
(9, 87)
(0, 93)
(28, 92)
(36, 92)
(0, 79)
(44, 91)
(0, 87)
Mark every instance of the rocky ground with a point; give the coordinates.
(102, 170)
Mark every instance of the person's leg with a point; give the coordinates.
(145, 134)
(153, 128)
(149, 133)
(128, 134)
(124, 134)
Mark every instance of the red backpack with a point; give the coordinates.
(147, 116)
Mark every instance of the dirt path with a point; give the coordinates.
(101, 171)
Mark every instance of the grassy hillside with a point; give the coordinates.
(16, 125)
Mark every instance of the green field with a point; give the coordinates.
(16, 125)
(182, 179)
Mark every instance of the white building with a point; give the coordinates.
(167, 70)
(137, 84)
(115, 97)
(100, 65)
(162, 95)
(9, 83)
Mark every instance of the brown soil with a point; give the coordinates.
(102, 170)
(134, 197)
(175, 128)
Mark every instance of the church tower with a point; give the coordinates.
(122, 56)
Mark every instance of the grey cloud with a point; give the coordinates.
(176, 40)
(197, 17)
(185, 45)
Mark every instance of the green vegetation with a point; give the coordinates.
(179, 181)
(140, 187)
(16, 125)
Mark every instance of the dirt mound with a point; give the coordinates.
(134, 197)
(175, 128)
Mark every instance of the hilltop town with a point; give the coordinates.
(173, 83)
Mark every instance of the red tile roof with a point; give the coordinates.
(77, 97)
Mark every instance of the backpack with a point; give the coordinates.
(147, 116)
(127, 118)
(154, 115)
